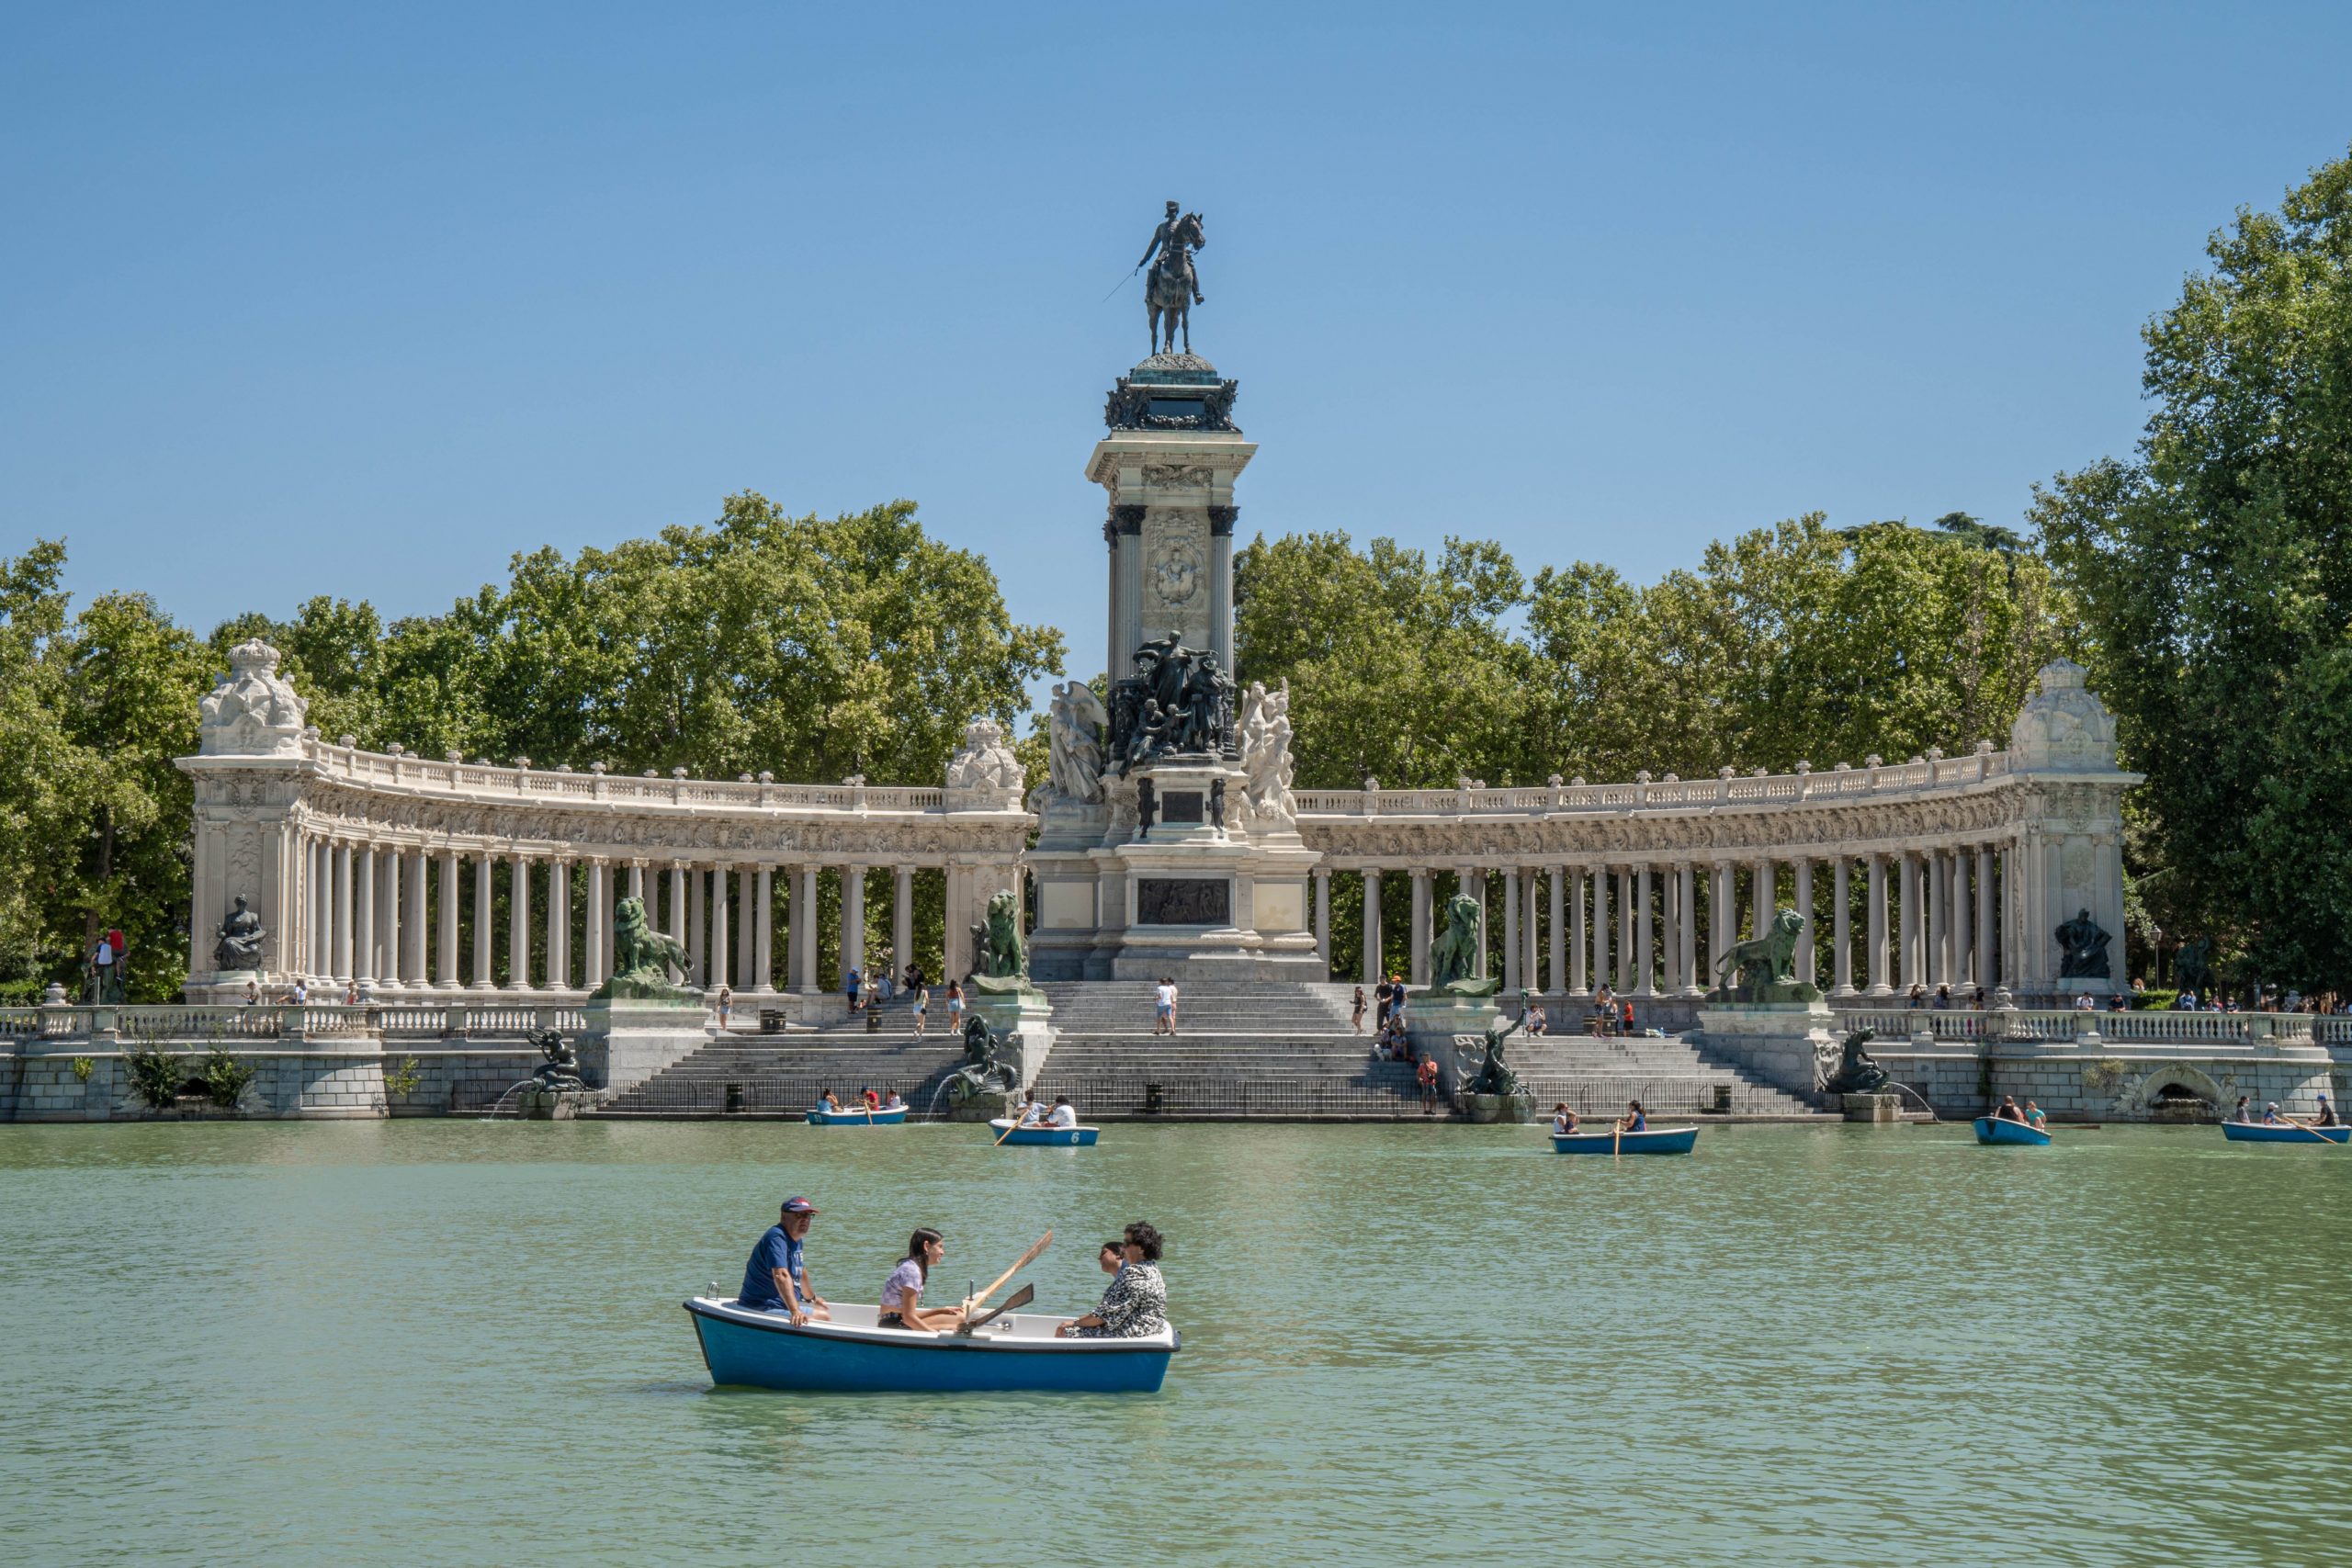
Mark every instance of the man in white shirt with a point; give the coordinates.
(1164, 1000)
(1064, 1114)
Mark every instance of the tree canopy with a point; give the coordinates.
(2214, 573)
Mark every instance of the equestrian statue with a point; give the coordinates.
(1172, 286)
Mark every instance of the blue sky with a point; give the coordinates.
(304, 300)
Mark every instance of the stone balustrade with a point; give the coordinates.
(2063, 1025)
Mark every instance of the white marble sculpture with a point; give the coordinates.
(254, 712)
(985, 763)
(1266, 765)
(1075, 724)
(2064, 726)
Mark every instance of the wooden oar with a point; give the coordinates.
(1000, 1137)
(1020, 1298)
(1019, 1263)
(2287, 1121)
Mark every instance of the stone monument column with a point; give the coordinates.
(1373, 972)
(1687, 894)
(344, 941)
(1418, 938)
(1645, 968)
(446, 953)
(1841, 960)
(1511, 975)
(804, 931)
(852, 921)
(518, 923)
(1985, 968)
(483, 863)
(1800, 883)
(763, 944)
(902, 917)
(1579, 981)
(1168, 463)
(1878, 982)
(363, 901)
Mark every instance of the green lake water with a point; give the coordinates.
(460, 1342)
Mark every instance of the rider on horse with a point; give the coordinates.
(1174, 259)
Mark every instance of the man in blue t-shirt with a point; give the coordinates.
(775, 1277)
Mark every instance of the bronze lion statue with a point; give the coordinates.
(1453, 954)
(1768, 959)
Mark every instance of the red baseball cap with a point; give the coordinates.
(799, 1206)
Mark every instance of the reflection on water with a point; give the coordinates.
(453, 1342)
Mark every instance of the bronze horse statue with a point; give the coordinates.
(1170, 288)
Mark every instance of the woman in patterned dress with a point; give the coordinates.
(1136, 1302)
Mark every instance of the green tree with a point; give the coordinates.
(2215, 572)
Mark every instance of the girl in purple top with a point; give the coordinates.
(902, 1295)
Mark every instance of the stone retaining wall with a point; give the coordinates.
(2105, 1082)
(39, 1083)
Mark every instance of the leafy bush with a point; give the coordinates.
(84, 1067)
(226, 1079)
(403, 1080)
(154, 1076)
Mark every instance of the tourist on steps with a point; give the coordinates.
(1356, 1021)
(777, 1277)
(922, 1008)
(850, 988)
(1136, 1302)
(1429, 1085)
(902, 1292)
(1163, 1004)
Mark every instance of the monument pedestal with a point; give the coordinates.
(624, 1043)
(1786, 1044)
(1489, 1109)
(1020, 1014)
(1439, 1023)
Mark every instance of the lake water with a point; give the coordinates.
(459, 1342)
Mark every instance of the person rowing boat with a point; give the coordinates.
(2327, 1117)
(1635, 1119)
(2007, 1109)
(902, 1292)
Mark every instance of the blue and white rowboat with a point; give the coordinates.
(750, 1349)
(859, 1117)
(2278, 1132)
(1656, 1140)
(1050, 1137)
(2001, 1130)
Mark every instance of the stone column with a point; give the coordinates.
(1511, 981)
(342, 934)
(1761, 899)
(1529, 931)
(1669, 943)
(852, 921)
(1557, 941)
(385, 962)
(1579, 950)
(2011, 938)
(483, 862)
(445, 952)
(1908, 944)
(1474, 883)
(697, 944)
(1419, 939)
(412, 922)
(677, 909)
(804, 932)
(636, 885)
(1373, 972)
(1323, 921)
(1722, 917)
(1841, 960)
(718, 954)
(902, 918)
(1985, 967)
(748, 925)
(1645, 969)
(518, 923)
(559, 976)
(1878, 982)
(764, 943)
(1937, 919)
(1957, 877)
(614, 886)
(600, 904)
(364, 901)
(1599, 927)
(1626, 929)
(322, 909)
(1687, 927)
(1801, 880)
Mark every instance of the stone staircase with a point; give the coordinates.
(1245, 1049)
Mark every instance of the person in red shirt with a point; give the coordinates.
(1429, 1086)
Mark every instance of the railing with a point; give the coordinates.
(1753, 789)
(417, 772)
(2057, 1025)
(202, 1025)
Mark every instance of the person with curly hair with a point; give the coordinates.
(1136, 1302)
